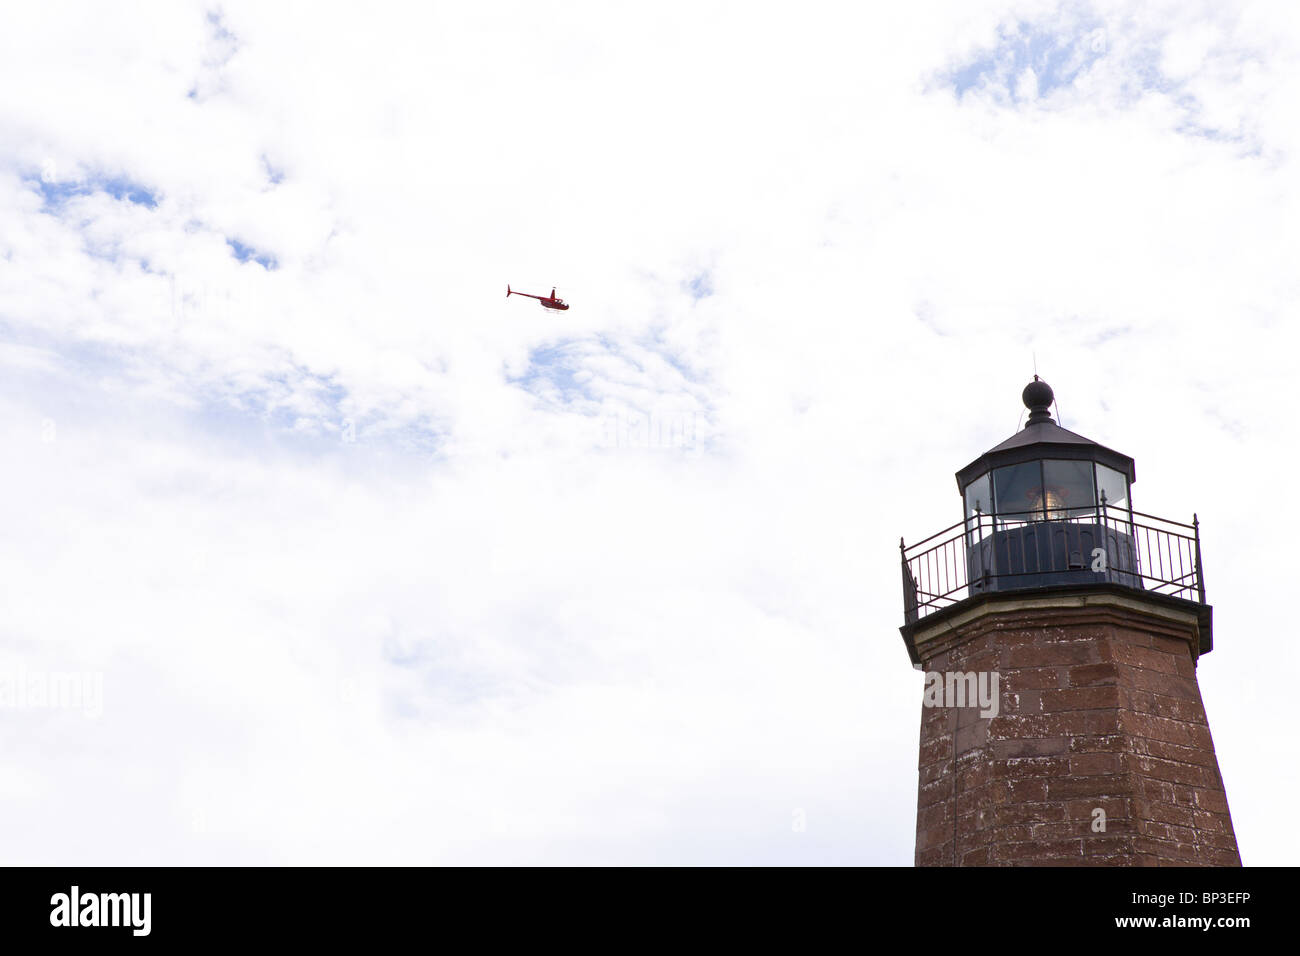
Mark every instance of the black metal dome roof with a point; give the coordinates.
(1043, 438)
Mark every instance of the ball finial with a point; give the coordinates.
(1038, 398)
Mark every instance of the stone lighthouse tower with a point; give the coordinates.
(1060, 631)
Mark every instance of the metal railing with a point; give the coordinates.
(1023, 550)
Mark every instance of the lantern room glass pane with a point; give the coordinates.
(977, 497)
(1067, 489)
(1018, 492)
(1113, 485)
(979, 505)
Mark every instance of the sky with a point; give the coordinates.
(360, 561)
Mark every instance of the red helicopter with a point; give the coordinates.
(548, 302)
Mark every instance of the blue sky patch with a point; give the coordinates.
(1057, 58)
(298, 409)
(274, 174)
(219, 31)
(554, 372)
(247, 253)
(290, 408)
(1061, 54)
(700, 285)
(57, 192)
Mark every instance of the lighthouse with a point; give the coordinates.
(1060, 629)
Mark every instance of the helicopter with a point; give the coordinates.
(548, 302)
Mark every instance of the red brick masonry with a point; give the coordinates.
(1098, 708)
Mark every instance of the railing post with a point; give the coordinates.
(1105, 537)
(909, 586)
(1200, 576)
(993, 547)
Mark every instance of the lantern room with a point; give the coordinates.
(1047, 507)
(1048, 510)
